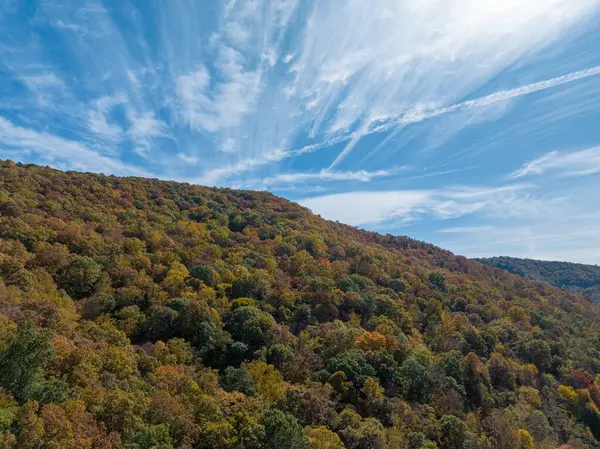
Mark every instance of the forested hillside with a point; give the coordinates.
(143, 314)
(575, 277)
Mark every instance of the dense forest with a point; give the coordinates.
(575, 277)
(141, 314)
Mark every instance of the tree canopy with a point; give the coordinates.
(142, 314)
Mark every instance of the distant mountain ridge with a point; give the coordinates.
(574, 277)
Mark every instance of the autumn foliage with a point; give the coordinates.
(142, 314)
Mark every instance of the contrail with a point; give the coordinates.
(504, 95)
(417, 116)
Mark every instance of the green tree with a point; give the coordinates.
(149, 437)
(206, 274)
(368, 434)
(540, 355)
(238, 379)
(250, 286)
(416, 378)
(454, 432)
(98, 304)
(23, 363)
(437, 280)
(160, 323)
(252, 326)
(397, 285)
(79, 278)
(354, 364)
(278, 354)
(282, 431)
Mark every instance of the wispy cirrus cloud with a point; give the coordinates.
(45, 86)
(55, 150)
(145, 127)
(227, 103)
(418, 114)
(323, 176)
(421, 112)
(187, 158)
(42, 81)
(572, 238)
(577, 163)
(466, 229)
(369, 77)
(242, 85)
(395, 72)
(99, 123)
(362, 208)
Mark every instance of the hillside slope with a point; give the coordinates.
(574, 277)
(138, 313)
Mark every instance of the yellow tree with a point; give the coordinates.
(268, 381)
(323, 438)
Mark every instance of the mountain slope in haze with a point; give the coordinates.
(144, 314)
(574, 277)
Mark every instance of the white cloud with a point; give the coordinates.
(147, 126)
(58, 151)
(191, 89)
(236, 33)
(215, 175)
(377, 207)
(358, 69)
(511, 220)
(441, 173)
(360, 208)
(578, 163)
(418, 114)
(266, 77)
(322, 176)
(144, 129)
(187, 158)
(46, 87)
(559, 226)
(575, 240)
(364, 65)
(69, 26)
(43, 81)
(422, 112)
(98, 120)
(228, 146)
(225, 105)
(466, 229)
(99, 125)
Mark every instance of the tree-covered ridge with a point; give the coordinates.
(575, 277)
(138, 313)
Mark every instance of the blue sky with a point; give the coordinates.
(472, 124)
